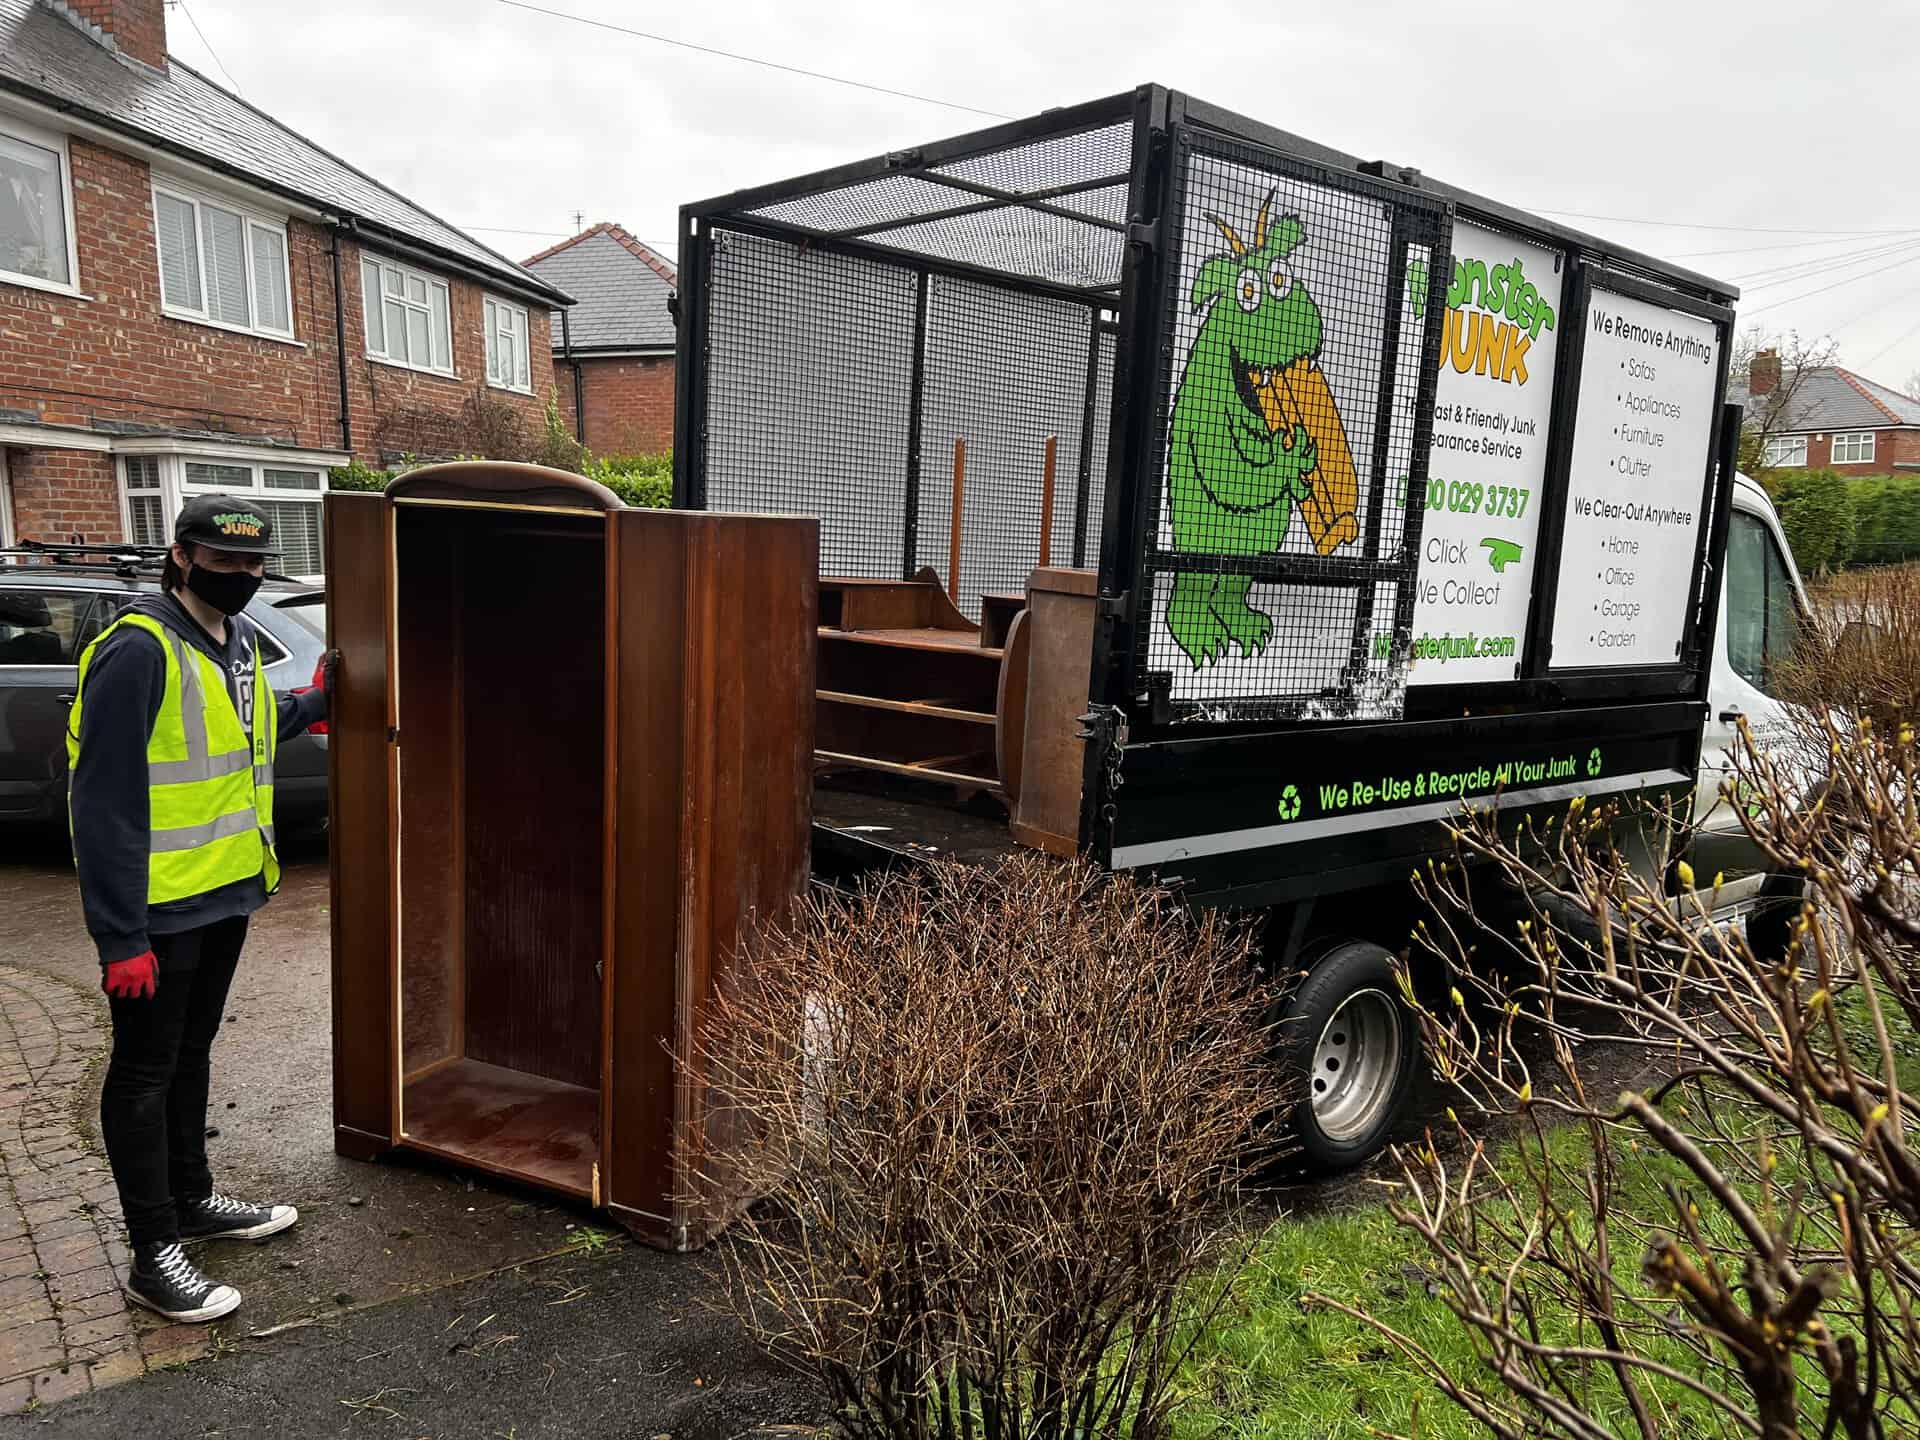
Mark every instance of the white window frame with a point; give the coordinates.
(1853, 439)
(6, 503)
(406, 272)
(490, 310)
(249, 218)
(1777, 449)
(48, 140)
(176, 488)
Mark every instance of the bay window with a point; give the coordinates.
(153, 487)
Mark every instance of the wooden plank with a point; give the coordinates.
(1046, 504)
(915, 772)
(716, 732)
(360, 857)
(1010, 711)
(748, 786)
(908, 707)
(507, 1122)
(1060, 618)
(959, 509)
(637, 1142)
(956, 642)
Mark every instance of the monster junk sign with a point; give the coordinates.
(1297, 308)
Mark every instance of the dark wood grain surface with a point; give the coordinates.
(361, 855)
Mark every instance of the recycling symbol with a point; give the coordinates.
(1289, 804)
(1594, 762)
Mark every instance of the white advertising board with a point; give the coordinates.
(1488, 459)
(1642, 431)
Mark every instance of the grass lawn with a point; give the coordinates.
(1272, 1369)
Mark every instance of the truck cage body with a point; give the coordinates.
(968, 360)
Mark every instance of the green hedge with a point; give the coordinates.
(1887, 508)
(642, 480)
(1819, 513)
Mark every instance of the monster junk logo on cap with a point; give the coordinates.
(224, 522)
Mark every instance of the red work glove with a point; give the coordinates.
(134, 979)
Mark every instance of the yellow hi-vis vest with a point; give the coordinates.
(209, 787)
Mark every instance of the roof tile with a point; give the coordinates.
(46, 57)
(622, 288)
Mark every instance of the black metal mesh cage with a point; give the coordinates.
(809, 373)
(1278, 554)
(865, 343)
(923, 352)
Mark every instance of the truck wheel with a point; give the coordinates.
(1354, 1044)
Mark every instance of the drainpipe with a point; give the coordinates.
(340, 341)
(579, 380)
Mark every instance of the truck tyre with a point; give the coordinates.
(1348, 1036)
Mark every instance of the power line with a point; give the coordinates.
(1850, 280)
(1902, 336)
(182, 4)
(750, 59)
(1755, 249)
(1690, 225)
(1823, 265)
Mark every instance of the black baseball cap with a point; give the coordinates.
(225, 522)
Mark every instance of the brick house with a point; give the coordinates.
(613, 351)
(1830, 419)
(184, 296)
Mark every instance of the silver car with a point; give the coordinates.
(51, 609)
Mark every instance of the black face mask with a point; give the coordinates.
(228, 591)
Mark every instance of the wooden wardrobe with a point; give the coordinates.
(570, 766)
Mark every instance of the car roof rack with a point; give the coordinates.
(127, 560)
(131, 562)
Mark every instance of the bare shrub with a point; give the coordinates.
(489, 428)
(1732, 1251)
(998, 1116)
(1863, 657)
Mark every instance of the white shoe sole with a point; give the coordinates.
(221, 1301)
(251, 1232)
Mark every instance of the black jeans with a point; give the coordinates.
(153, 1108)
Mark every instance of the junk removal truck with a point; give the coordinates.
(1158, 486)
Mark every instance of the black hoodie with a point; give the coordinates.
(125, 684)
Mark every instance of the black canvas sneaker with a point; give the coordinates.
(165, 1281)
(220, 1217)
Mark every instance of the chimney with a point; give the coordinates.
(1763, 373)
(135, 27)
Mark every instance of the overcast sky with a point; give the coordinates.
(1774, 143)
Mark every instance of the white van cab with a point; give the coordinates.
(1762, 608)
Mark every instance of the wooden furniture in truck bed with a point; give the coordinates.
(571, 758)
(990, 709)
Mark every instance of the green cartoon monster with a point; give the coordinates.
(1255, 432)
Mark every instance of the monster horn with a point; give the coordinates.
(1260, 225)
(1239, 245)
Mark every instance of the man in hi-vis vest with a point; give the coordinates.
(170, 746)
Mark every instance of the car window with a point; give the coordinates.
(272, 652)
(310, 611)
(1762, 619)
(47, 627)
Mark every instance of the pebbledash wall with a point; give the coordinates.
(109, 362)
(629, 408)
